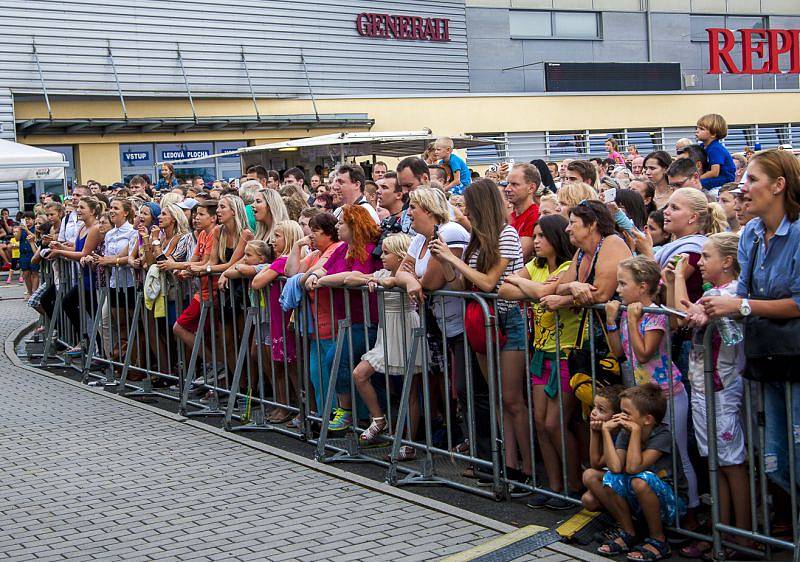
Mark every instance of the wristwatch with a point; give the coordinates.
(208, 269)
(744, 308)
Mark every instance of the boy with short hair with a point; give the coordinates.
(462, 177)
(640, 474)
(605, 407)
(721, 169)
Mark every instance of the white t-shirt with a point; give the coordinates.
(511, 249)
(337, 212)
(446, 309)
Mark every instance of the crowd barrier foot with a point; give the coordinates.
(508, 547)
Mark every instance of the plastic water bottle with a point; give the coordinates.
(729, 330)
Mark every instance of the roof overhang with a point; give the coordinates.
(28, 127)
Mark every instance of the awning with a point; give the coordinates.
(119, 125)
(22, 162)
(337, 146)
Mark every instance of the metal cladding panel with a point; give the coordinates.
(9, 191)
(72, 39)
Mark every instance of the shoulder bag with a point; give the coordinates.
(771, 345)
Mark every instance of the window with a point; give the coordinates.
(699, 24)
(528, 24)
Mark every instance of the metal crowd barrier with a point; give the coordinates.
(457, 424)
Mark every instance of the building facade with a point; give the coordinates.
(119, 86)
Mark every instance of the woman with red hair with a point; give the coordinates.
(360, 234)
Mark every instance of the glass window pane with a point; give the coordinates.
(530, 24)
(699, 24)
(576, 24)
(745, 22)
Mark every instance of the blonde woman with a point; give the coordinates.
(268, 210)
(279, 340)
(570, 194)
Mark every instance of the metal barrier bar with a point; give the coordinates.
(271, 383)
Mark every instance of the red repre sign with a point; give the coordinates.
(408, 28)
(766, 44)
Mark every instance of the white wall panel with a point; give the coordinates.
(72, 38)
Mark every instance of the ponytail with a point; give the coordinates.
(727, 244)
(716, 222)
(95, 205)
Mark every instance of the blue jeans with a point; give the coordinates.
(344, 374)
(319, 379)
(776, 441)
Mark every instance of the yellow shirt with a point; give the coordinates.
(544, 321)
(14, 244)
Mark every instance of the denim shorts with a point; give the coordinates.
(513, 327)
(622, 485)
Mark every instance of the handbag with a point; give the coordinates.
(771, 345)
(475, 327)
(579, 360)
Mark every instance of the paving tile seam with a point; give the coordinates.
(13, 339)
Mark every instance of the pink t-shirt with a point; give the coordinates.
(279, 320)
(658, 369)
(338, 263)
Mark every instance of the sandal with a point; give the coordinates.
(614, 548)
(374, 431)
(663, 551)
(696, 550)
(280, 417)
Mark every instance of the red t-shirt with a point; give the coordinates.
(205, 244)
(525, 222)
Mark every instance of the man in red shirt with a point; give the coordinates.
(523, 192)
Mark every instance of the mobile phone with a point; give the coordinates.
(435, 231)
(161, 257)
(610, 195)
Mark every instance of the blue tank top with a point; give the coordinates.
(89, 278)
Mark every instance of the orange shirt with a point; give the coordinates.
(321, 303)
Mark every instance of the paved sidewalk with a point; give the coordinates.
(84, 476)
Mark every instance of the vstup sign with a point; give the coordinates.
(766, 44)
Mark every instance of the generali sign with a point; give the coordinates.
(761, 50)
(408, 28)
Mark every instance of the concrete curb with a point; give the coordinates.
(10, 351)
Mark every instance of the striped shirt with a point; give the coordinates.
(510, 249)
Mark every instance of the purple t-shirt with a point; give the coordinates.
(338, 263)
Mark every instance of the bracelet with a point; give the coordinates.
(611, 329)
(314, 273)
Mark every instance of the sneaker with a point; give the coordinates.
(342, 420)
(374, 431)
(516, 491)
(560, 504)
(295, 423)
(74, 351)
(21, 280)
(539, 500)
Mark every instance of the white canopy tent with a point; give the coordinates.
(20, 162)
(338, 146)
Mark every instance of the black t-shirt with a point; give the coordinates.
(660, 439)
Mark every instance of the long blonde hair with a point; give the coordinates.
(277, 209)
(239, 217)
(177, 214)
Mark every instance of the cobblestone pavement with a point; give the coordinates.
(84, 476)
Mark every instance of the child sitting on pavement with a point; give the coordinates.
(605, 407)
(640, 474)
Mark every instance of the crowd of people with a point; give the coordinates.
(597, 243)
